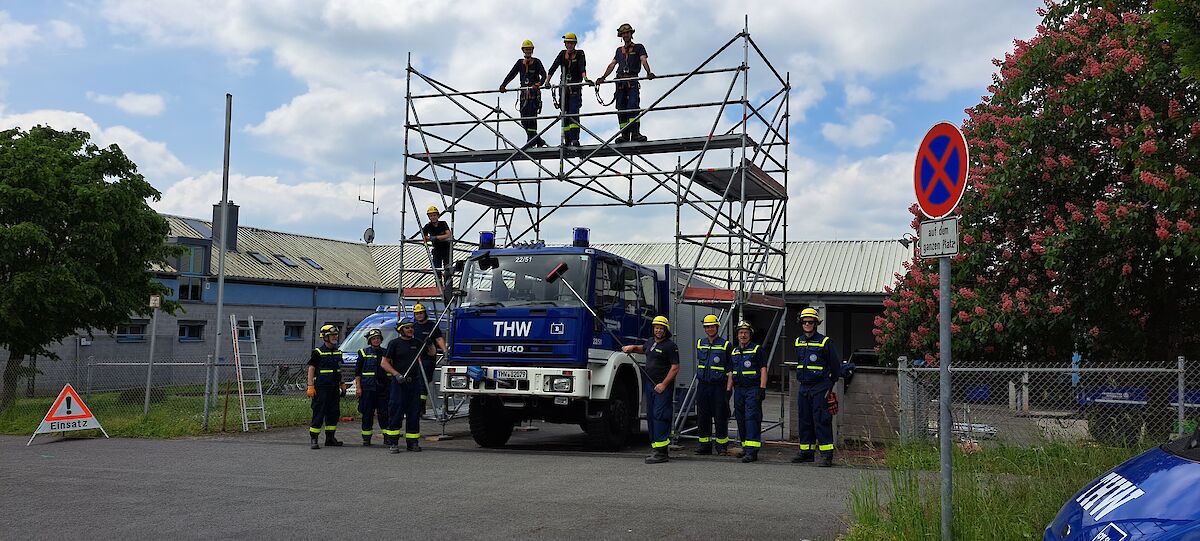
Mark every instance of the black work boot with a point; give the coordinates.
(314, 443)
(659, 456)
(802, 457)
(704, 449)
(413, 444)
(752, 456)
(394, 449)
(366, 441)
(636, 136)
(720, 450)
(331, 441)
(826, 460)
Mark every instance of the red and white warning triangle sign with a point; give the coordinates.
(67, 414)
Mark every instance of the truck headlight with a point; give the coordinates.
(559, 384)
(458, 382)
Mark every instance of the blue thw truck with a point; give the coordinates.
(526, 347)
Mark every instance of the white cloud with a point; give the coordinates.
(65, 33)
(14, 36)
(864, 199)
(864, 131)
(133, 103)
(857, 94)
(154, 160)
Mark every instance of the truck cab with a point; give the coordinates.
(526, 347)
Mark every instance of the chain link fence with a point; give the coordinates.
(1127, 404)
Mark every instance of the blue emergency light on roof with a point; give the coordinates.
(487, 240)
(581, 237)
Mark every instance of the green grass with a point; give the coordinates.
(1001, 493)
(174, 415)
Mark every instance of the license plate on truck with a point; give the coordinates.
(512, 374)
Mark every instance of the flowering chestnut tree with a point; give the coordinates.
(1079, 227)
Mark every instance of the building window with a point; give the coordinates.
(259, 257)
(194, 260)
(244, 334)
(191, 331)
(312, 263)
(190, 288)
(286, 260)
(293, 330)
(134, 331)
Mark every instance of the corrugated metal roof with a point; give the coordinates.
(344, 264)
(835, 267)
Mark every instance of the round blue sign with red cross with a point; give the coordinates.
(940, 174)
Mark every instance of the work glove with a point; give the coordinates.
(312, 391)
(649, 75)
(762, 395)
(590, 82)
(600, 81)
(402, 379)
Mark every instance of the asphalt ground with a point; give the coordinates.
(545, 485)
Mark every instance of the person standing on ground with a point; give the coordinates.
(658, 384)
(325, 387)
(712, 399)
(748, 381)
(438, 235)
(817, 369)
(372, 384)
(401, 362)
(574, 65)
(532, 75)
(426, 331)
(629, 60)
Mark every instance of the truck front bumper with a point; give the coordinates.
(517, 381)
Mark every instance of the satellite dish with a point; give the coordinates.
(369, 235)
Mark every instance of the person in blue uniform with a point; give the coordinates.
(426, 331)
(658, 384)
(748, 381)
(401, 362)
(817, 369)
(530, 73)
(373, 385)
(574, 65)
(325, 387)
(628, 60)
(712, 399)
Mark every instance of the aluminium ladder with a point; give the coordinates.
(254, 409)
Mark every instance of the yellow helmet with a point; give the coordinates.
(432, 210)
(374, 333)
(745, 325)
(527, 43)
(570, 36)
(710, 320)
(329, 330)
(810, 312)
(418, 308)
(661, 320)
(624, 28)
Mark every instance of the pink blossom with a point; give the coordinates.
(1126, 269)
(1181, 172)
(1135, 63)
(1006, 305)
(1184, 226)
(1162, 233)
(1022, 294)
(1039, 249)
(889, 303)
(1067, 110)
(968, 239)
(1145, 112)
(979, 310)
(1066, 161)
(1006, 254)
(1148, 147)
(987, 236)
(964, 316)
(1056, 309)
(1051, 274)
(1172, 108)
(954, 328)
(1095, 331)
(966, 293)
(998, 326)
(1122, 211)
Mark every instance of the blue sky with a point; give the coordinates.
(319, 88)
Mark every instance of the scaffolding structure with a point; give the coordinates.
(726, 184)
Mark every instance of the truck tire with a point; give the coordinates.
(612, 427)
(491, 425)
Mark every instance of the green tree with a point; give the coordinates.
(1078, 226)
(1178, 23)
(76, 243)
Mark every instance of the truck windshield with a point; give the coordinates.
(520, 280)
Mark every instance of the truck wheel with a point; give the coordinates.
(491, 425)
(610, 429)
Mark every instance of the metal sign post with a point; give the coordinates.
(155, 303)
(939, 180)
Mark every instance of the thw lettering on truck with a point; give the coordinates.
(513, 328)
(1111, 492)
